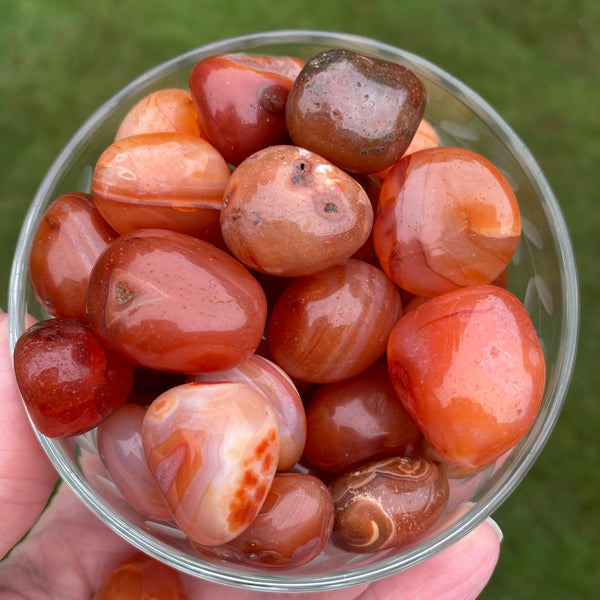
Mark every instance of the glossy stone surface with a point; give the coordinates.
(289, 212)
(141, 577)
(241, 99)
(172, 302)
(69, 238)
(68, 380)
(119, 440)
(359, 112)
(469, 369)
(359, 419)
(167, 180)
(212, 448)
(386, 503)
(335, 323)
(283, 397)
(165, 110)
(447, 218)
(291, 528)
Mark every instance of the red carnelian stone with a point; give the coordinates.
(172, 302)
(447, 218)
(293, 525)
(241, 99)
(70, 237)
(68, 380)
(469, 369)
(333, 324)
(355, 420)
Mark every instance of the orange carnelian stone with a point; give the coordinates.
(142, 578)
(446, 218)
(469, 369)
(166, 180)
(164, 110)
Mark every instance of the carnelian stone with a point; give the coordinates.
(292, 527)
(240, 99)
(69, 239)
(333, 324)
(141, 577)
(119, 440)
(357, 111)
(165, 110)
(469, 369)
(386, 503)
(289, 212)
(172, 302)
(212, 448)
(447, 218)
(355, 420)
(167, 180)
(70, 382)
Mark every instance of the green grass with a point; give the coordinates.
(537, 62)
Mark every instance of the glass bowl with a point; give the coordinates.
(542, 275)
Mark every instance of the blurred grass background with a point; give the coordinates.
(537, 63)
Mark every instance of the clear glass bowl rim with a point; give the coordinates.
(270, 581)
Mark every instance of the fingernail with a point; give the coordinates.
(496, 528)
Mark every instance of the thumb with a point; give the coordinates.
(26, 475)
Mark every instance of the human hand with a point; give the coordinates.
(68, 553)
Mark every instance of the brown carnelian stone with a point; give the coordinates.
(70, 237)
(469, 369)
(240, 99)
(333, 324)
(172, 302)
(355, 420)
(447, 218)
(141, 577)
(359, 112)
(166, 180)
(386, 503)
(289, 212)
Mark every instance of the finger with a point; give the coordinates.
(457, 573)
(197, 588)
(26, 475)
(67, 554)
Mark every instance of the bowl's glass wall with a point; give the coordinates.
(542, 275)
